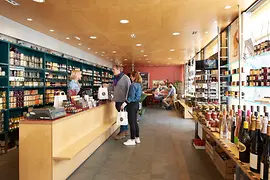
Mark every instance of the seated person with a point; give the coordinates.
(157, 94)
(170, 97)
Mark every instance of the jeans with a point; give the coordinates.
(132, 109)
(118, 108)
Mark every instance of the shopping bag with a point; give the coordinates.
(103, 93)
(59, 97)
(122, 118)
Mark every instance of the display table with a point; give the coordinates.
(184, 109)
(53, 150)
(232, 151)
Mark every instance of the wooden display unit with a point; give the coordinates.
(184, 109)
(53, 150)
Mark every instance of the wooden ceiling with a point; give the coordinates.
(152, 21)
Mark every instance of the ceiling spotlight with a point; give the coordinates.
(14, 3)
(93, 37)
(169, 58)
(79, 44)
(76, 37)
(103, 52)
(146, 59)
(67, 38)
(171, 50)
(96, 52)
(228, 7)
(124, 21)
(102, 55)
(176, 34)
(142, 50)
(114, 52)
(206, 32)
(125, 59)
(138, 45)
(89, 48)
(145, 55)
(39, 1)
(133, 36)
(29, 19)
(51, 30)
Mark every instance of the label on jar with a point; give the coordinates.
(253, 161)
(261, 171)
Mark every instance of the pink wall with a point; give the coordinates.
(172, 73)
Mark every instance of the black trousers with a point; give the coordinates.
(132, 109)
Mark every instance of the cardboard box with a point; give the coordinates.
(225, 167)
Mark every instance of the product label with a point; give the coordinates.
(261, 172)
(253, 161)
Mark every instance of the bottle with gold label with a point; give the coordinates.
(244, 145)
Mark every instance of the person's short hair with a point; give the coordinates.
(118, 66)
(74, 74)
(137, 76)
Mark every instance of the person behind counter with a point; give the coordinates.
(134, 96)
(74, 87)
(120, 88)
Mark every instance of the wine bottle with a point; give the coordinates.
(264, 173)
(224, 126)
(256, 149)
(253, 126)
(242, 124)
(264, 127)
(244, 145)
(233, 127)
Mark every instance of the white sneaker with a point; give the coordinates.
(130, 142)
(137, 140)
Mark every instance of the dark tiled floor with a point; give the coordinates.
(166, 153)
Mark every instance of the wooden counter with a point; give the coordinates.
(232, 151)
(184, 109)
(53, 150)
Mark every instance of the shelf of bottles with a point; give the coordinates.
(30, 78)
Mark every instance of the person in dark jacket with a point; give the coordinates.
(134, 96)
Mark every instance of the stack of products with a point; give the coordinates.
(56, 67)
(71, 68)
(234, 94)
(52, 76)
(2, 100)
(87, 81)
(1, 122)
(56, 84)
(49, 95)
(262, 47)
(69, 107)
(2, 72)
(22, 98)
(259, 77)
(87, 72)
(19, 59)
(14, 122)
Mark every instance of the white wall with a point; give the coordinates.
(19, 31)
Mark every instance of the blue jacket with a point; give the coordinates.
(134, 93)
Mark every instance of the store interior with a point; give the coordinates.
(217, 59)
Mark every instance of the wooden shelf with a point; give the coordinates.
(232, 151)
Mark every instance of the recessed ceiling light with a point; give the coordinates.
(67, 38)
(142, 50)
(51, 30)
(93, 37)
(39, 1)
(133, 35)
(138, 45)
(76, 37)
(114, 52)
(176, 34)
(14, 3)
(79, 44)
(89, 48)
(125, 59)
(228, 7)
(145, 55)
(124, 21)
(171, 50)
(102, 55)
(169, 58)
(206, 32)
(29, 19)
(96, 52)
(103, 52)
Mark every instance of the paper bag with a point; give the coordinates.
(103, 93)
(59, 97)
(122, 118)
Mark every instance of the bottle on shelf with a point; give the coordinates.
(253, 126)
(256, 149)
(264, 127)
(244, 145)
(224, 126)
(242, 124)
(233, 128)
(265, 160)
